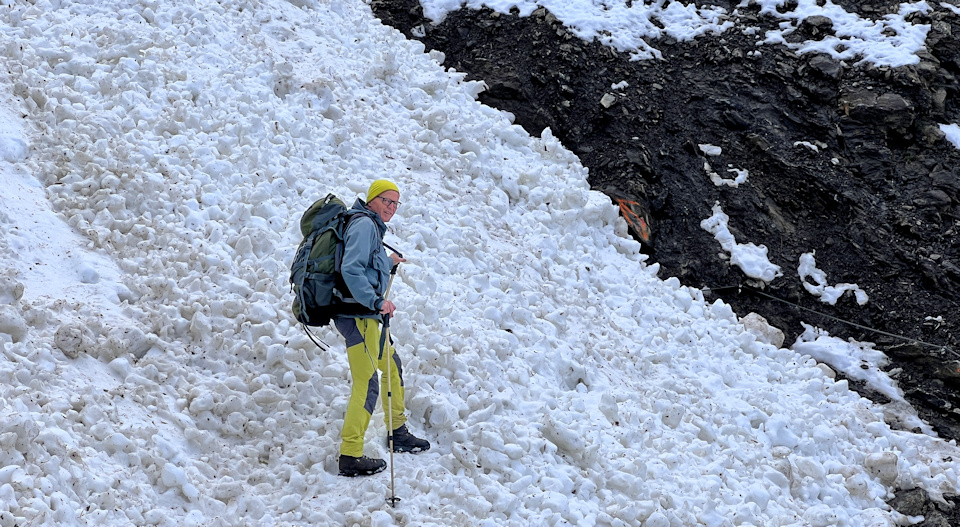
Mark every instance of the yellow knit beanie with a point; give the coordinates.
(379, 187)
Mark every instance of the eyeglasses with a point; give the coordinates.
(389, 202)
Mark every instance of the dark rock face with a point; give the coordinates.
(844, 160)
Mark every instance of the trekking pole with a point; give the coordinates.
(384, 342)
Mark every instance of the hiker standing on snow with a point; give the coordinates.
(366, 271)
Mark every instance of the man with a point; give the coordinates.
(366, 269)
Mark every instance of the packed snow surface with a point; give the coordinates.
(861, 362)
(633, 26)
(749, 257)
(817, 283)
(952, 133)
(157, 156)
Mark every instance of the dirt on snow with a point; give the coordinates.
(844, 159)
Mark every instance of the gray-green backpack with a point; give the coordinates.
(318, 288)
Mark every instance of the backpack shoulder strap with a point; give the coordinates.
(346, 220)
(342, 236)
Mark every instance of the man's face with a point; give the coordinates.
(385, 205)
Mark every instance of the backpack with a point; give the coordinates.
(315, 278)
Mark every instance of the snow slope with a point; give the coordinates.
(157, 158)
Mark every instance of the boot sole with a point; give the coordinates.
(363, 472)
(409, 450)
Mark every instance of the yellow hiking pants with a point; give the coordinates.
(362, 336)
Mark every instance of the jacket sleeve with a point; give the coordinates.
(359, 242)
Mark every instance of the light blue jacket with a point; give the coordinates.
(365, 266)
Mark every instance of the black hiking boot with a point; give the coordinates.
(360, 466)
(404, 441)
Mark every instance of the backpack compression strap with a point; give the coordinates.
(299, 268)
